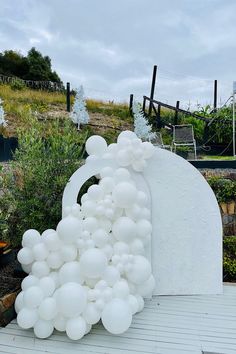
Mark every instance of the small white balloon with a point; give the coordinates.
(139, 165)
(19, 302)
(148, 149)
(136, 247)
(40, 251)
(146, 289)
(88, 208)
(90, 224)
(40, 269)
(69, 228)
(29, 281)
(95, 192)
(51, 240)
(91, 314)
(105, 224)
(27, 318)
(121, 248)
(140, 302)
(100, 238)
(54, 260)
(117, 316)
(48, 309)
(127, 134)
(106, 172)
(43, 329)
(96, 145)
(122, 174)
(144, 228)
(25, 256)
(121, 289)
(107, 184)
(111, 275)
(76, 328)
(133, 303)
(124, 229)
(123, 158)
(33, 297)
(68, 253)
(59, 322)
(47, 285)
(140, 271)
(30, 238)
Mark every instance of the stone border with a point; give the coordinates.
(7, 310)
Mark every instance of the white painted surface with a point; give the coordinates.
(187, 228)
(167, 325)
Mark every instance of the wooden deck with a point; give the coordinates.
(167, 325)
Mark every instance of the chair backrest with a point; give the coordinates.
(183, 133)
(157, 140)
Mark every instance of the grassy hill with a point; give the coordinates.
(105, 118)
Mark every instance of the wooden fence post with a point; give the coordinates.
(131, 100)
(158, 122)
(68, 97)
(215, 95)
(176, 113)
(154, 74)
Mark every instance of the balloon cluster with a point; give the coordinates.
(93, 266)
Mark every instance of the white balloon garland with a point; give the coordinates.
(94, 265)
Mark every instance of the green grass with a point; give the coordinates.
(215, 157)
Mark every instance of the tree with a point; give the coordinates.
(79, 114)
(141, 127)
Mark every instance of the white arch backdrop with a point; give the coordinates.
(186, 251)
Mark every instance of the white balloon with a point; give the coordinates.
(108, 250)
(117, 316)
(122, 174)
(47, 285)
(105, 224)
(136, 247)
(27, 318)
(126, 134)
(91, 314)
(134, 212)
(139, 165)
(140, 271)
(55, 277)
(68, 253)
(95, 192)
(88, 328)
(146, 289)
(121, 289)
(90, 224)
(29, 281)
(30, 238)
(107, 184)
(26, 268)
(43, 329)
(144, 228)
(100, 238)
(91, 159)
(133, 303)
(51, 240)
(140, 302)
(40, 252)
(25, 256)
(106, 171)
(96, 145)
(70, 272)
(69, 228)
(84, 198)
(123, 158)
(76, 328)
(40, 269)
(111, 275)
(71, 299)
(148, 149)
(59, 323)
(88, 208)
(33, 297)
(124, 194)
(121, 248)
(54, 260)
(19, 303)
(93, 263)
(100, 304)
(48, 309)
(142, 198)
(124, 229)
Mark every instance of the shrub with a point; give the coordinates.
(229, 260)
(47, 156)
(18, 84)
(224, 189)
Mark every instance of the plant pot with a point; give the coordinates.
(223, 207)
(231, 207)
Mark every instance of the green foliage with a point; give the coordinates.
(18, 84)
(224, 189)
(34, 66)
(47, 156)
(229, 258)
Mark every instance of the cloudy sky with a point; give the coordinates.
(110, 46)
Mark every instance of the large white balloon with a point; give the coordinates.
(27, 318)
(48, 309)
(140, 270)
(43, 329)
(117, 316)
(91, 314)
(40, 252)
(25, 256)
(40, 269)
(93, 263)
(124, 194)
(30, 238)
(33, 296)
(71, 299)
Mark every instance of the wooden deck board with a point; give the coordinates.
(167, 325)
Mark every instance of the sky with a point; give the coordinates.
(110, 46)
